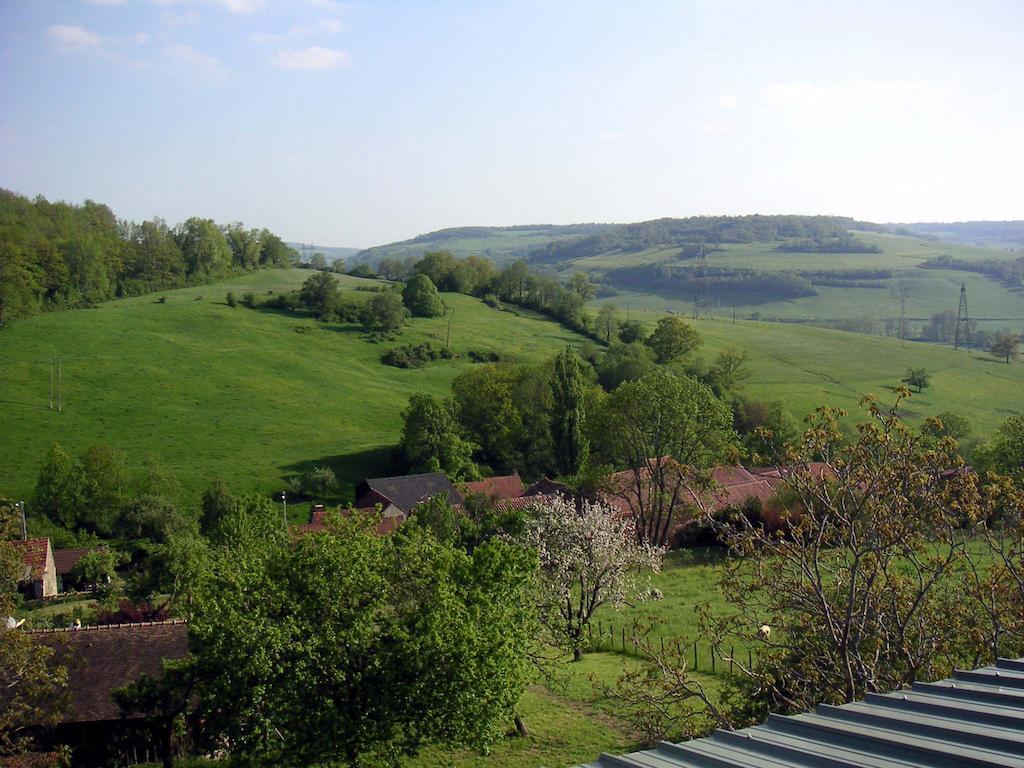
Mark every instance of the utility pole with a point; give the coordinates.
(962, 321)
(284, 508)
(448, 339)
(51, 383)
(24, 527)
(701, 299)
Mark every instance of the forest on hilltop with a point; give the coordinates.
(56, 255)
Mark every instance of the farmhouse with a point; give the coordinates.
(401, 494)
(65, 561)
(99, 660)
(39, 575)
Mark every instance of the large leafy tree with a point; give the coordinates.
(204, 248)
(660, 430)
(246, 245)
(431, 440)
(319, 292)
(1005, 453)
(385, 314)
(421, 298)
(437, 266)
(346, 647)
(672, 338)
(568, 413)
(60, 488)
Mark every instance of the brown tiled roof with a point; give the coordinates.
(522, 502)
(33, 555)
(500, 487)
(67, 559)
(101, 659)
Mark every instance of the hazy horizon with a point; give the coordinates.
(356, 124)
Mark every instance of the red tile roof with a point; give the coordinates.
(33, 555)
(101, 659)
(500, 487)
(67, 559)
(522, 502)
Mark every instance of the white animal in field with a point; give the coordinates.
(764, 632)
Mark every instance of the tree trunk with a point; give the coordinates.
(521, 727)
(577, 653)
(166, 750)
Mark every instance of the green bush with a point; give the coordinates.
(232, 302)
(410, 356)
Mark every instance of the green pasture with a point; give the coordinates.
(249, 396)
(927, 291)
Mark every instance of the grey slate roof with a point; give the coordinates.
(974, 719)
(406, 491)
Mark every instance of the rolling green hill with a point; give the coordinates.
(249, 396)
(501, 244)
(252, 396)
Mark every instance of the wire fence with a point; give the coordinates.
(701, 657)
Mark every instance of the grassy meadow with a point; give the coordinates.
(249, 396)
(252, 396)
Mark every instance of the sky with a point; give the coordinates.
(359, 123)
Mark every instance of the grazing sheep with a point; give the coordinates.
(764, 632)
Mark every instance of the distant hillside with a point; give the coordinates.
(994, 234)
(332, 253)
(501, 244)
(805, 234)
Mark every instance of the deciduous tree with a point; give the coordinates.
(421, 298)
(568, 414)
(589, 557)
(431, 441)
(672, 339)
(347, 647)
(661, 430)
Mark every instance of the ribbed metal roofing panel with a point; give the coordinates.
(973, 720)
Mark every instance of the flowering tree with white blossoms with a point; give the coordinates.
(589, 557)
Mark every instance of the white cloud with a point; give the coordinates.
(74, 37)
(331, 25)
(107, 2)
(313, 58)
(140, 38)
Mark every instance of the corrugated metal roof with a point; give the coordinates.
(974, 719)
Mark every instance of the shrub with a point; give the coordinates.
(484, 356)
(410, 356)
(249, 300)
(231, 299)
